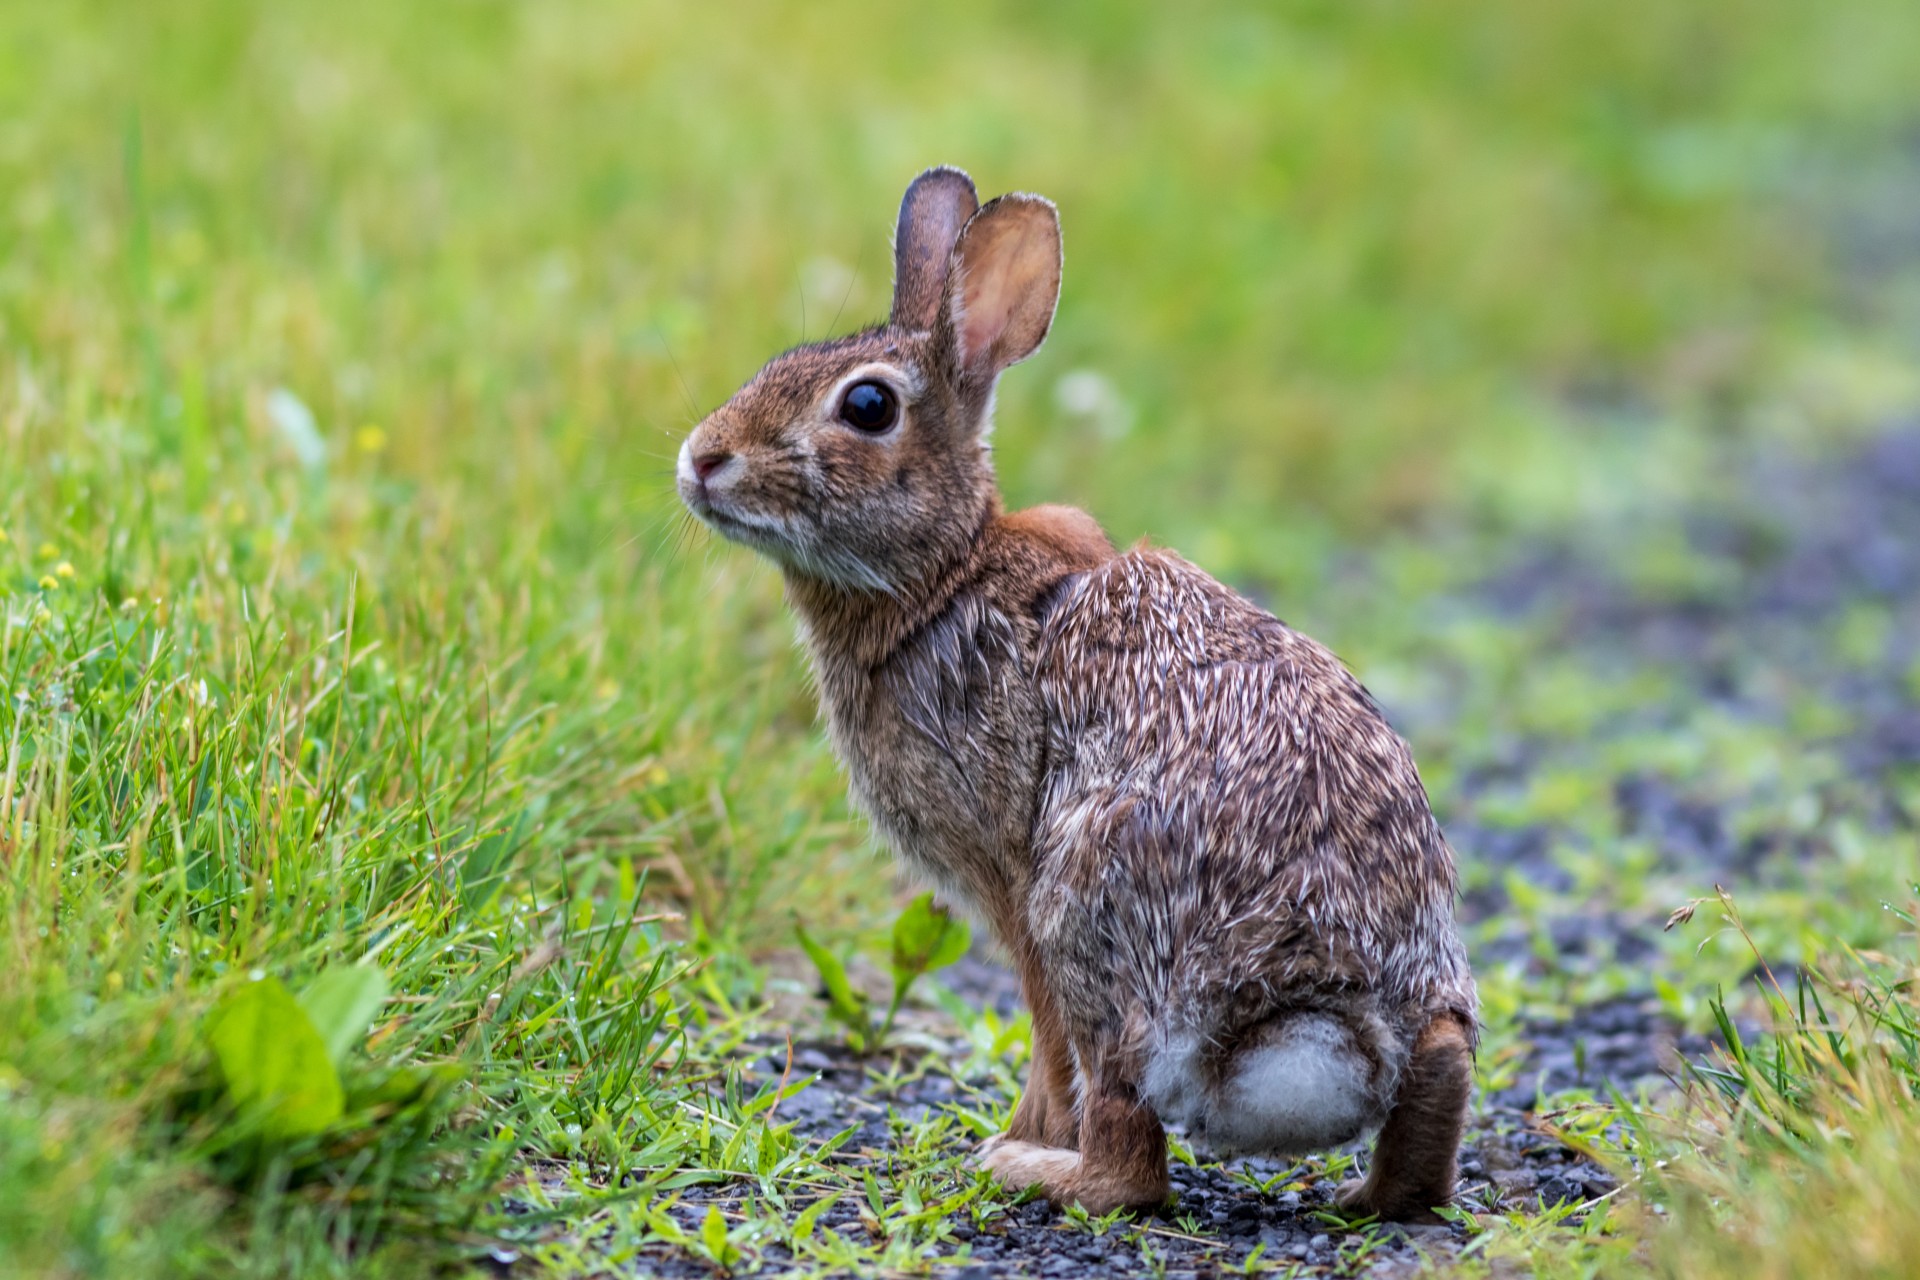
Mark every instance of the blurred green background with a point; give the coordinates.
(1337, 274)
(1326, 261)
(377, 325)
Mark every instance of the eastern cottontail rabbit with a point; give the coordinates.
(1209, 856)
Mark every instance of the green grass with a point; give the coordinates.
(350, 618)
(1793, 1157)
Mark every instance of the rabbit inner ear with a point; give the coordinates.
(1004, 284)
(936, 206)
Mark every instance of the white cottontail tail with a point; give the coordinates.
(1210, 858)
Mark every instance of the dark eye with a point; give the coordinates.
(870, 406)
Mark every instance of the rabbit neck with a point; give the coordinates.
(929, 701)
(1013, 559)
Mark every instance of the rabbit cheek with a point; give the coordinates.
(846, 468)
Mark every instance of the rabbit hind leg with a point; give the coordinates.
(1415, 1161)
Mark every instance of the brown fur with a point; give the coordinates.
(1125, 1167)
(1209, 857)
(1415, 1161)
(1045, 1114)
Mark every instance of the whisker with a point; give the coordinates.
(800, 287)
(693, 406)
(853, 278)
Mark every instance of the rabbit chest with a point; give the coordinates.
(942, 740)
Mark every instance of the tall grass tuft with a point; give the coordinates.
(1800, 1150)
(181, 821)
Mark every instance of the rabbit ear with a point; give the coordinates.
(1003, 285)
(937, 204)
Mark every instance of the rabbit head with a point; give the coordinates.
(862, 462)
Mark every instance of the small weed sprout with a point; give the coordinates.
(926, 937)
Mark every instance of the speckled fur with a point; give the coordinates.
(1211, 859)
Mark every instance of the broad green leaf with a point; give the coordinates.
(926, 937)
(342, 1001)
(849, 1005)
(199, 870)
(274, 1061)
(662, 1224)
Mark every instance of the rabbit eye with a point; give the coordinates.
(870, 406)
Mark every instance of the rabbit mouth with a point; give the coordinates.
(765, 534)
(777, 540)
(741, 526)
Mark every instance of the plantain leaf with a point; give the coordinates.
(926, 937)
(713, 1236)
(802, 1229)
(342, 1001)
(274, 1060)
(847, 1004)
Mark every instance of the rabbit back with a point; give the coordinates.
(1227, 828)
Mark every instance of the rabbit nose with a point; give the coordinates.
(705, 464)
